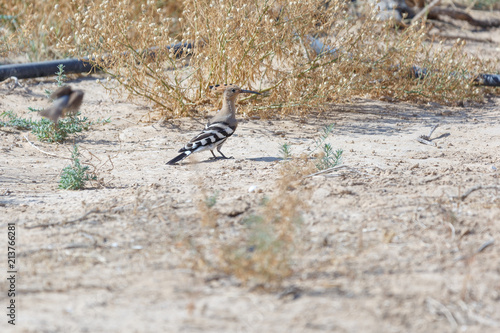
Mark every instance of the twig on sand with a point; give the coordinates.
(438, 308)
(47, 153)
(426, 139)
(81, 218)
(485, 245)
(477, 188)
(333, 169)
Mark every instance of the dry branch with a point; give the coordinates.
(81, 218)
(425, 11)
(476, 188)
(47, 153)
(463, 16)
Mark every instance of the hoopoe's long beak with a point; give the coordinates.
(249, 92)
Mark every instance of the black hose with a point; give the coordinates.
(49, 68)
(44, 68)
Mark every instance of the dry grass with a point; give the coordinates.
(263, 45)
(264, 250)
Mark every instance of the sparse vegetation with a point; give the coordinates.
(208, 214)
(60, 76)
(45, 130)
(263, 45)
(328, 157)
(262, 253)
(286, 151)
(74, 176)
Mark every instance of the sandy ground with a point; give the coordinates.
(386, 245)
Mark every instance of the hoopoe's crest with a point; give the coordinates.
(221, 127)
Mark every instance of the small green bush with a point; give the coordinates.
(73, 177)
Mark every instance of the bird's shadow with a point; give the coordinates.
(255, 159)
(265, 159)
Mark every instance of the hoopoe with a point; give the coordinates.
(220, 127)
(66, 103)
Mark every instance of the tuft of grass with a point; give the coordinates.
(208, 215)
(74, 176)
(286, 151)
(329, 157)
(45, 130)
(263, 248)
(264, 252)
(60, 76)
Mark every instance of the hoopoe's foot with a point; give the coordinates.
(220, 158)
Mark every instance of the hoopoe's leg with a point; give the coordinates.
(214, 157)
(223, 156)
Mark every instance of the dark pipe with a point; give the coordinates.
(45, 68)
(49, 68)
(490, 80)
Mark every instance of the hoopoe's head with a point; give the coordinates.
(231, 91)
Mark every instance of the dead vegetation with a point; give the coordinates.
(302, 54)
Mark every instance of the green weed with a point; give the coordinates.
(210, 201)
(45, 130)
(60, 76)
(327, 158)
(74, 176)
(286, 151)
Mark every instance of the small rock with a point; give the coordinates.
(252, 188)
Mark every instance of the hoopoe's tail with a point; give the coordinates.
(179, 157)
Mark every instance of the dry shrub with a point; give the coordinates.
(266, 252)
(208, 215)
(56, 29)
(263, 250)
(262, 45)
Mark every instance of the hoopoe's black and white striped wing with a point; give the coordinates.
(212, 136)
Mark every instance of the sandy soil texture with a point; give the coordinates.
(403, 239)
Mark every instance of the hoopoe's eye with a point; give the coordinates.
(234, 90)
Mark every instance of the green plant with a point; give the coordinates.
(210, 201)
(74, 176)
(329, 158)
(286, 151)
(12, 120)
(326, 131)
(45, 130)
(60, 76)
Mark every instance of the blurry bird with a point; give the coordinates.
(220, 127)
(66, 103)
